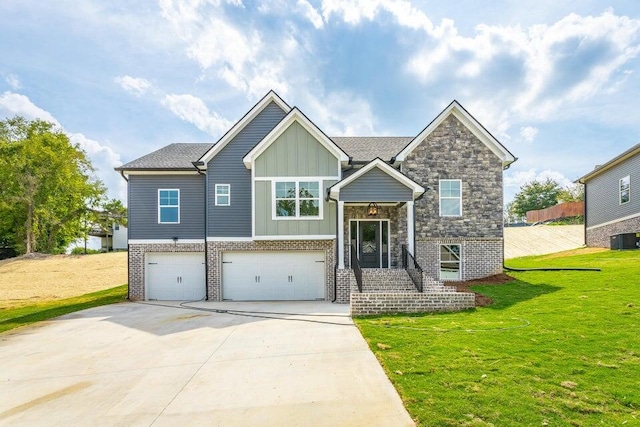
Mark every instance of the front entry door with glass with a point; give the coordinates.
(371, 240)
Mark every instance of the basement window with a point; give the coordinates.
(449, 262)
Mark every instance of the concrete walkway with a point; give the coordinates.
(266, 364)
(541, 239)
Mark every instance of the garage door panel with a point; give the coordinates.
(175, 276)
(273, 276)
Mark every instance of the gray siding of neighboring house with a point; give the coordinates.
(376, 186)
(603, 194)
(143, 207)
(227, 168)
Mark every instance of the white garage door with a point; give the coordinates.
(261, 276)
(177, 276)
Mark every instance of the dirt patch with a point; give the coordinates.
(38, 277)
(481, 300)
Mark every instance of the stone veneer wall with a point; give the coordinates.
(601, 236)
(480, 257)
(397, 217)
(367, 304)
(215, 250)
(137, 266)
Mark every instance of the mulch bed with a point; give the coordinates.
(481, 300)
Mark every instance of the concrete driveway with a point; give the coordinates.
(267, 364)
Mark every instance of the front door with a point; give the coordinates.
(369, 244)
(370, 239)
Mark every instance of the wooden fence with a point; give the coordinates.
(563, 210)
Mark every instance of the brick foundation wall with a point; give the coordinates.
(601, 236)
(137, 263)
(367, 304)
(345, 282)
(216, 249)
(480, 257)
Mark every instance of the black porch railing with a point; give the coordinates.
(355, 266)
(414, 270)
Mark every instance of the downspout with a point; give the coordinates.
(206, 251)
(128, 249)
(335, 265)
(584, 217)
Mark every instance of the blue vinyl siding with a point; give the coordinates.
(227, 168)
(143, 206)
(376, 186)
(603, 203)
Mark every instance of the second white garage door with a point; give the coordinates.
(263, 276)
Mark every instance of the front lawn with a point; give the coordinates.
(13, 317)
(555, 348)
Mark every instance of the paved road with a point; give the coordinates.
(141, 365)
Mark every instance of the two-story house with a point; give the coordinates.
(278, 210)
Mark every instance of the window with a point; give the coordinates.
(449, 262)
(169, 206)
(223, 195)
(625, 185)
(450, 197)
(117, 227)
(297, 199)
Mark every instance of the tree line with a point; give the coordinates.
(49, 195)
(537, 195)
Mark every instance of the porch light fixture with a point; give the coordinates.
(372, 210)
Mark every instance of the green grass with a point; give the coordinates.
(555, 348)
(14, 317)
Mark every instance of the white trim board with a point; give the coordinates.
(163, 241)
(229, 239)
(624, 218)
(297, 237)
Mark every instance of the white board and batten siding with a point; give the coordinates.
(175, 276)
(273, 276)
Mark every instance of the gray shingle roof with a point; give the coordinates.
(365, 148)
(179, 156)
(173, 156)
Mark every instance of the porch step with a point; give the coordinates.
(386, 280)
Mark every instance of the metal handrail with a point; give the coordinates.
(414, 270)
(355, 266)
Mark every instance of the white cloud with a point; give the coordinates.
(520, 178)
(102, 156)
(528, 133)
(14, 104)
(309, 12)
(134, 85)
(13, 81)
(193, 110)
(335, 116)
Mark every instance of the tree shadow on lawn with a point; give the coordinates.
(502, 291)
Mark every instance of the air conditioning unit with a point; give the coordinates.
(625, 241)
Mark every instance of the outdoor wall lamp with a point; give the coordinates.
(372, 210)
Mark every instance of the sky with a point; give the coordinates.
(556, 82)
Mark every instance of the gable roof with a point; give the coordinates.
(178, 156)
(295, 115)
(418, 190)
(367, 148)
(471, 123)
(240, 124)
(611, 163)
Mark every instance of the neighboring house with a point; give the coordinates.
(612, 198)
(113, 239)
(277, 210)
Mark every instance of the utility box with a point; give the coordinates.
(624, 241)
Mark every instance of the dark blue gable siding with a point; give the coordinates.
(143, 207)
(227, 168)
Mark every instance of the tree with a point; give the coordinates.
(535, 195)
(46, 186)
(571, 193)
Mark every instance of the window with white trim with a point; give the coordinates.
(450, 197)
(297, 200)
(624, 188)
(449, 262)
(223, 195)
(168, 206)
